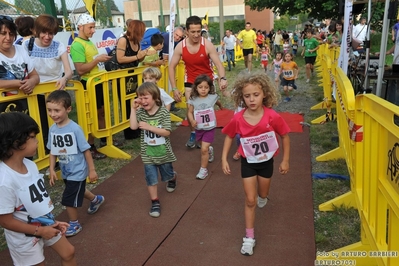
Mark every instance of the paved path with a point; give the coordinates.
(202, 222)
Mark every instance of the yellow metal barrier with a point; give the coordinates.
(368, 128)
(378, 165)
(238, 55)
(324, 67)
(348, 135)
(78, 94)
(115, 109)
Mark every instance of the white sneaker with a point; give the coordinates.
(211, 154)
(262, 202)
(248, 246)
(202, 174)
(307, 81)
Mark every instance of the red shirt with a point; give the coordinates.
(260, 39)
(196, 64)
(271, 121)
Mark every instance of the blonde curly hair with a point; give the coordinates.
(272, 96)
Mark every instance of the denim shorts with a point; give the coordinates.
(151, 173)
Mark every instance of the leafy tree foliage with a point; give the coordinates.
(32, 7)
(102, 11)
(315, 8)
(3, 6)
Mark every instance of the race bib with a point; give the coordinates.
(288, 73)
(63, 144)
(205, 119)
(35, 198)
(260, 148)
(153, 139)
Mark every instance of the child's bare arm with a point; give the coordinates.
(90, 164)
(9, 222)
(133, 117)
(219, 104)
(53, 175)
(285, 166)
(190, 116)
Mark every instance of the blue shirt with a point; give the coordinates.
(73, 166)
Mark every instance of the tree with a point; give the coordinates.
(102, 11)
(315, 8)
(3, 6)
(32, 7)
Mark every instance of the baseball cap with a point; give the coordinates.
(85, 19)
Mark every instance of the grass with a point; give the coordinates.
(332, 229)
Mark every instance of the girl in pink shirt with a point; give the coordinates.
(258, 126)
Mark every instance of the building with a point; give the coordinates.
(232, 10)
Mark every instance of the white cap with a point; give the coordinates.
(167, 28)
(85, 19)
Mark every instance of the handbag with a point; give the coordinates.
(113, 64)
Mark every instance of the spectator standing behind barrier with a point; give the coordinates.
(359, 34)
(152, 56)
(178, 35)
(25, 27)
(196, 53)
(129, 54)
(127, 25)
(26, 236)
(229, 42)
(16, 68)
(246, 39)
(88, 62)
(68, 144)
(50, 60)
(50, 57)
(153, 74)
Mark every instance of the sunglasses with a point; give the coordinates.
(6, 18)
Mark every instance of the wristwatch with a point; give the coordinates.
(223, 78)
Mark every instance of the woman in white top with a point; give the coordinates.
(16, 69)
(50, 57)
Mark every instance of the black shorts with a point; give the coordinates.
(99, 93)
(246, 52)
(264, 169)
(310, 59)
(73, 193)
(286, 82)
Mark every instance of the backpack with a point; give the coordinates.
(146, 41)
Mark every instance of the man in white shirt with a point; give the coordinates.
(229, 42)
(359, 34)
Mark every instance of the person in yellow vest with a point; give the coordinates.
(246, 39)
(88, 62)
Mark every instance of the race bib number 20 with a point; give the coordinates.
(260, 148)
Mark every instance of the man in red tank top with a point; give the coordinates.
(196, 52)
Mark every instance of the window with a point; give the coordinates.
(148, 23)
(166, 19)
(226, 18)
